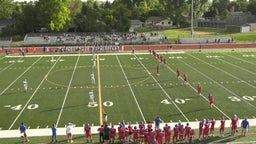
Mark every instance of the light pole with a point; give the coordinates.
(192, 19)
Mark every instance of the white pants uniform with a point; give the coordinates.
(91, 96)
(92, 78)
(25, 85)
(94, 63)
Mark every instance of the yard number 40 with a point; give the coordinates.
(19, 107)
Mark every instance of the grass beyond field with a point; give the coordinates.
(127, 88)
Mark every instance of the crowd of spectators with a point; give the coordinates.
(95, 38)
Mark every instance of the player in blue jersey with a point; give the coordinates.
(23, 133)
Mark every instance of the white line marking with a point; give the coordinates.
(239, 67)
(222, 70)
(239, 59)
(163, 90)
(6, 67)
(30, 97)
(196, 90)
(218, 84)
(19, 76)
(64, 101)
(142, 115)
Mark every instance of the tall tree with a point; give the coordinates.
(176, 10)
(54, 14)
(220, 7)
(6, 9)
(122, 17)
(252, 6)
(200, 7)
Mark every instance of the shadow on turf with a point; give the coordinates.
(217, 139)
(177, 114)
(57, 109)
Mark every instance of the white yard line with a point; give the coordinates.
(135, 99)
(64, 101)
(7, 67)
(237, 66)
(19, 76)
(239, 59)
(234, 94)
(24, 107)
(222, 71)
(201, 94)
(89, 54)
(163, 90)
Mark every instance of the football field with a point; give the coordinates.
(127, 87)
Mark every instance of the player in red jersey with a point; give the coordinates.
(211, 100)
(168, 133)
(201, 125)
(234, 124)
(161, 58)
(191, 136)
(146, 136)
(121, 132)
(101, 133)
(130, 129)
(151, 136)
(141, 131)
(112, 134)
(175, 134)
(206, 129)
(213, 121)
(141, 124)
(88, 133)
(181, 132)
(164, 61)
(126, 135)
(185, 79)
(222, 126)
(178, 73)
(160, 137)
(135, 132)
(199, 89)
(187, 132)
(158, 69)
(149, 126)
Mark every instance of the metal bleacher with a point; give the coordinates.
(205, 40)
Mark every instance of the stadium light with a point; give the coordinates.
(192, 18)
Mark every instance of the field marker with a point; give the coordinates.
(219, 84)
(25, 106)
(99, 91)
(135, 99)
(64, 101)
(20, 76)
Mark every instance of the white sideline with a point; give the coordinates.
(80, 130)
(89, 54)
